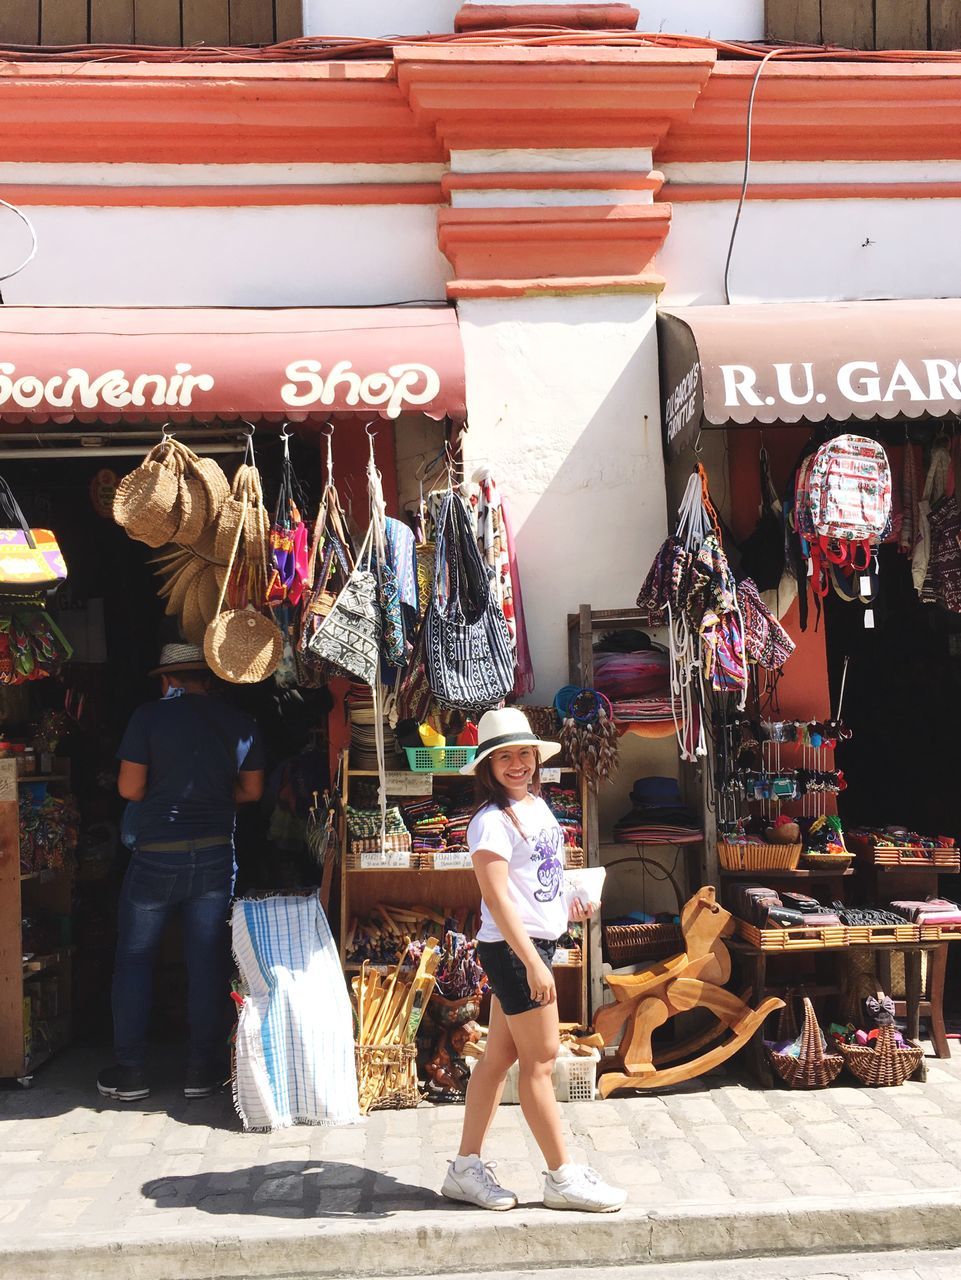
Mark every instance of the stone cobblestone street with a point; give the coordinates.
(78, 1171)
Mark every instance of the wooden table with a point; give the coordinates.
(754, 961)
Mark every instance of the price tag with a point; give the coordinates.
(401, 782)
(864, 585)
(550, 775)
(8, 780)
(562, 956)
(450, 860)
(869, 619)
(384, 858)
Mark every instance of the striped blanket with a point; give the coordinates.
(295, 1044)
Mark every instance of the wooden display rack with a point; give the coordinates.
(362, 889)
(582, 627)
(19, 895)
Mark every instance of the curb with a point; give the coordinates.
(441, 1242)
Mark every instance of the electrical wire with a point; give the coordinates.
(33, 241)
(747, 170)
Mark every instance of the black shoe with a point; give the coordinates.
(126, 1084)
(201, 1082)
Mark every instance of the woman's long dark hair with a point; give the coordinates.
(487, 790)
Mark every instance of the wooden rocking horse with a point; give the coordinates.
(694, 979)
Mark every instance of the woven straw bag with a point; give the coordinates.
(229, 527)
(208, 591)
(241, 645)
(193, 509)
(215, 483)
(146, 501)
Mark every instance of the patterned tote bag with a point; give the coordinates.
(467, 647)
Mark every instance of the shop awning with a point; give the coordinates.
(794, 362)
(118, 364)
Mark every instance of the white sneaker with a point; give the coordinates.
(577, 1186)
(477, 1185)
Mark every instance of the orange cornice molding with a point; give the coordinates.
(646, 282)
(210, 113)
(587, 17)
(587, 242)
(95, 196)
(608, 180)
(705, 193)
(824, 111)
(481, 96)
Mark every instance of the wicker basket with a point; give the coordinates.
(386, 1077)
(759, 856)
(573, 858)
(813, 1068)
(884, 1064)
(834, 862)
(626, 944)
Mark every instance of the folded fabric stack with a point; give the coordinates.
(658, 815)
(767, 909)
(427, 823)
(364, 834)
(932, 911)
(460, 810)
(640, 674)
(564, 803)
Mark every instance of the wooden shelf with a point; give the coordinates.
(354, 966)
(49, 873)
(799, 873)
(41, 964)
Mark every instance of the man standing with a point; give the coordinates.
(187, 760)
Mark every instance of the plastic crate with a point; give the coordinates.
(439, 759)
(574, 1079)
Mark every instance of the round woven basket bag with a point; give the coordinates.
(242, 646)
(146, 501)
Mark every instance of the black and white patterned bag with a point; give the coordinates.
(349, 637)
(467, 647)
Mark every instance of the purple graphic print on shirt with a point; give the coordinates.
(550, 872)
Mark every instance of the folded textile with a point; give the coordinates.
(632, 675)
(295, 1039)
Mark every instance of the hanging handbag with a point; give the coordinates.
(30, 560)
(349, 637)
(468, 656)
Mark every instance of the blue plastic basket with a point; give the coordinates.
(439, 759)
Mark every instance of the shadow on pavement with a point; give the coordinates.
(293, 1189)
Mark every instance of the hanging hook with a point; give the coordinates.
(249, 459)
(165, 435)
(696, 446)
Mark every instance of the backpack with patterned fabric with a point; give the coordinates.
(842, 505)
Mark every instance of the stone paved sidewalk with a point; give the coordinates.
(76, 1169)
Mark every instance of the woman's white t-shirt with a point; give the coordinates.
(536, 874)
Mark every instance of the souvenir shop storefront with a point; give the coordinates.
(809, 594)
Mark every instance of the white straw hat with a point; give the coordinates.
(508, 727)
(180, 657)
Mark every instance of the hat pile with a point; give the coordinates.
(658, 816)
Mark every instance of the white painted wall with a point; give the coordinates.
(378, 17)
(563, 405)
(813, 250)
(253, 257)
(725, 19)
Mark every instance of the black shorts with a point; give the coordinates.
(507, 975)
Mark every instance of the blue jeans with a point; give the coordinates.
(160, 878)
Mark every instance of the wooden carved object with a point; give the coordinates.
(694, 979)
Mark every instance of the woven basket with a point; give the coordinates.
(759, 856)
(230, 522)
(836, 862)
(242, 646)
(216, 484)
(208, 591)
(884, 1064)
(626, 944)
(193, 509)
(813, 1068)
(145, 502)
(178, 584)
(386, 1077)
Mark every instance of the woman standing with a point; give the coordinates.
(518, 856)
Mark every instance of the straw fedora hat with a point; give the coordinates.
(508, 727)
(180, 657)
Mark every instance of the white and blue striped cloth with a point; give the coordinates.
(295, 1042)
